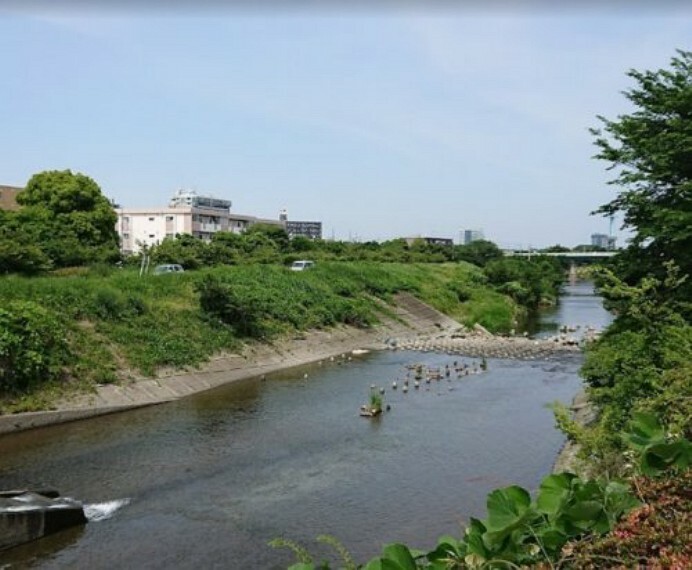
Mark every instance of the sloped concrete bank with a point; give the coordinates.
(584, 413)
(413, 319)
(414, 326)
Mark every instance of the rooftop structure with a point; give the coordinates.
(190, 198)
(8, 197)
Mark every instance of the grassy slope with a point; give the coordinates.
(122, 322)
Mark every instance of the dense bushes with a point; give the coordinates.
(530, 282)
(115, 320)
(654, 535)
(642, 363)
(33, 347)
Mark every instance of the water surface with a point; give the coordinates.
(212, 478)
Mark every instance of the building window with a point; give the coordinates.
(126, 236)
(169, 218)
(169, 235)
(126, 218)
(151, 236)
(151, 219)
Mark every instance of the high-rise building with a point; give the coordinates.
(603, 241)
(472, 235)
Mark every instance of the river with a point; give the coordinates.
(209, 480)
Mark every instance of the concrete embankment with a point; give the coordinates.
(583, 413)
(413, 326)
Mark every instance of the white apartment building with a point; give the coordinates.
(187, 213)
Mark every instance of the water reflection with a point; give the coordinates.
(579, 307)
(214, 477)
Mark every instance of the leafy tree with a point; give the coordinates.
(557, 248)
(18, 252)
(478, 252)
(184, 249)
(69, 218)
(650, 149)
(274, 233)
(301, 243)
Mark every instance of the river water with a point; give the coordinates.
(207, 481)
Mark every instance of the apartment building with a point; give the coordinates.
(187, 213)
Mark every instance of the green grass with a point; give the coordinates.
(119, 322)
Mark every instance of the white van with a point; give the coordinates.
(302, 265)
(168, 268)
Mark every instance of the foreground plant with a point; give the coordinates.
(517, 532)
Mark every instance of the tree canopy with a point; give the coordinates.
(65, 220)
(650, 150)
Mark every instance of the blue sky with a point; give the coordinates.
(379, 123)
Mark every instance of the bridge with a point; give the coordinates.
(571, 255)
(574, 257)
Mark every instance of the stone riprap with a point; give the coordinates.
(407, 324)
(471, 343)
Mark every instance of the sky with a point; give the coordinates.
(381, 123)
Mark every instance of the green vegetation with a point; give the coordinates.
(64, 221)
(650, 150)
(638, 376)
(572, 522)
(96, 325)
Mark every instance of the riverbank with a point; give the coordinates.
(410, 319)
(583, 413)
(413, 325)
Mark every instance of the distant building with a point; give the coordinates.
(472, 235)
(429, 240)
(310, 230)
(8, 197)
(603, 241)
(187, 213)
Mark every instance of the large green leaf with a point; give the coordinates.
(507, 507)
(661, 456)
(447, 548)
(552, 540)
(584, 511)
(554, 492)
(589, 490)
(474, 539)
(401, 555)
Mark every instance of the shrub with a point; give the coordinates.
(655, 535)
(33, 347)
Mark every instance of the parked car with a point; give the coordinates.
(168, 268)
(302, 265)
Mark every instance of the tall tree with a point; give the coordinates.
(69, 218)
(650, 150)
